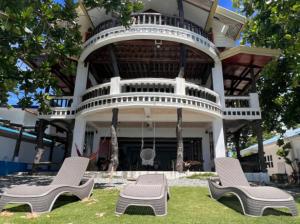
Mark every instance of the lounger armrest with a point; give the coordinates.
(215, 180)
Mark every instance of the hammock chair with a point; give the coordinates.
(147, 154)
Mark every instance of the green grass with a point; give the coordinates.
(201, 176)
(187, 205)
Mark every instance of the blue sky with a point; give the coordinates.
(13, 100)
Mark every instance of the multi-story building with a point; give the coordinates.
(177, 74)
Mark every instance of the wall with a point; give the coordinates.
(18, 116)
(279, 166)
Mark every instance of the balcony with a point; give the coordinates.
(153, 26)
(159, 92)
(171, 93)
(242, 107)
(154, 19)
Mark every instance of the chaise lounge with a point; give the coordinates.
(42, 198)
(150, 190)
(254, 200)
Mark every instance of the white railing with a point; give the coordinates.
(242, 107)
(61, 101)
(154, 19)
(148, 99)
(151, 85)
(146, 31)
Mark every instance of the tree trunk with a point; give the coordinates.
(18, 144)
(40, 141)
(261, 155)
(114, 159)
(237, 144)
(179, 161)
(41, 126)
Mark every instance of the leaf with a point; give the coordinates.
(6, 214)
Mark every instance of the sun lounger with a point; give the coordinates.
(42, 198)
(254, 200)
(150, 190)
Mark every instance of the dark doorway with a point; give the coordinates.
(129, 153)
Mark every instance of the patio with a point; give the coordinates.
(190, 203)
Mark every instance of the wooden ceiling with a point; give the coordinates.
(147, 58)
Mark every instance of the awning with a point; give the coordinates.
(237, 64)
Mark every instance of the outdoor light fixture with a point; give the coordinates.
(158, 43)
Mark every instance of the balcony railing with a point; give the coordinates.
(242, 107)
(156, 92)
(152, 18)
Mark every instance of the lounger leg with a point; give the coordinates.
(2, 204)
(293, 209)
(160, 208)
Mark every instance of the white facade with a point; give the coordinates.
(156, 99)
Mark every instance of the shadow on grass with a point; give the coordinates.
(139, 210)
(60, 201)
(233, 203)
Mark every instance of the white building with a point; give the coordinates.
(176, 56)
(275, 163)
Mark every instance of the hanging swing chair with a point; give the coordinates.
(147, 154)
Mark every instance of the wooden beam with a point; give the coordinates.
(233, 77)
(180, 149)
(114, 62)
(211, 16)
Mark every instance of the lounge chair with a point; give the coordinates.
(41, 198)
(150, 190)
(254, 200)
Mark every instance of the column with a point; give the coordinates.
(218, 82)
(180, 86)
(115, 85)
(78, 135)
(218, 136)
(80, 83)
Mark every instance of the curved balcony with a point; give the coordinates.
(150, 26)
(150, 92)
(152, 18)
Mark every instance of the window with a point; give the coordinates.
(269, 161)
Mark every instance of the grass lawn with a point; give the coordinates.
(201, 176)
(187, 205)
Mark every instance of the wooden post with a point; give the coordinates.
(51, 152)
(257, 126)
(18, 144)
(114, 159)
(236, 140)
(114, 60)
(180, 149)
(41, 126)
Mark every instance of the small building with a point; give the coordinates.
(276, 164)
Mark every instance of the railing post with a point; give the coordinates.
(115, 85)
(180, 86)
(254, 101)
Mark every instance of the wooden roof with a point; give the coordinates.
(237, 64)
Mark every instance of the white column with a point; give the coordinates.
(80, 83)
(180, 86)
(218, 82)
(78, 135)
(254, 101)
(115, 85)
(218, 135)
